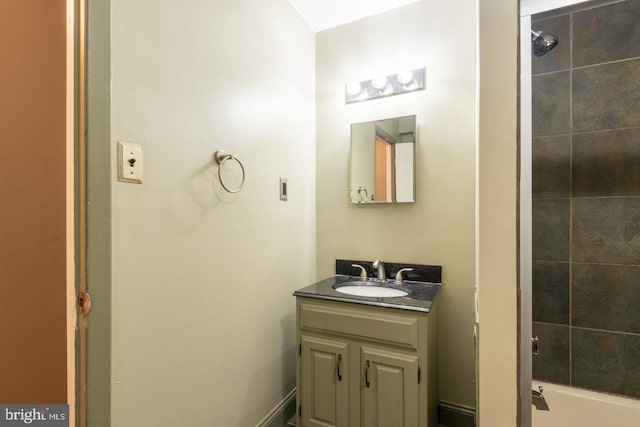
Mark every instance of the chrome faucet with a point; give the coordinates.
(382, 275)
(538, 400)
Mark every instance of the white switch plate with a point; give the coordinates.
(130, 163)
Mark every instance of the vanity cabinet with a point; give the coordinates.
(325, 388)
(365, 366)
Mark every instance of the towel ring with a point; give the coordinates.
(221, 157)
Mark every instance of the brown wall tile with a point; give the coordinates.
(551, 230)
(606, 33)
(606, 361)
(606, 230)
(550, 108)
(551, 167)
(606, 163)
(606, 297)
(551, 292)
(552, 364)
(606, 96)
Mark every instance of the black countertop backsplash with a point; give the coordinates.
(420, 273)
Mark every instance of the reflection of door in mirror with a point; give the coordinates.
(383, 161)
(385, 171)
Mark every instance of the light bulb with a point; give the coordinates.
(405, 77)
(353, 88)
(379, 82)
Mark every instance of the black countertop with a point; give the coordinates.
(420, 294)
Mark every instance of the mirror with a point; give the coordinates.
(383, 161)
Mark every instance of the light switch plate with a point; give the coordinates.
(283, 189)
(130, 162)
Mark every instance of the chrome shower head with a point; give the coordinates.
(542, 42)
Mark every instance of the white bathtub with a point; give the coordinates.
(574, 407)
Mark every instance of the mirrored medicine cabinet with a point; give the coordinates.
(383, 161)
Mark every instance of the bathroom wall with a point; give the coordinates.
(33, 190)
(439, 227)
(203, 329)
(497, 215)
(586, 211)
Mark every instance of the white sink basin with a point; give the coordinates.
(371, 291)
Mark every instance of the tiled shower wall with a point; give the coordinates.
(586, 199)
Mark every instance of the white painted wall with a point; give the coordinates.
(497, 209)
(203, 313)
(198, 333)
(439, 228)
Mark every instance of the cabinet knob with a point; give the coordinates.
(338, 365)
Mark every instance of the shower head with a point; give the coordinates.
(542, 42)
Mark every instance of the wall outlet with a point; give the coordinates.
(130, 163)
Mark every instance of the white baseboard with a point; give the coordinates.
(277, 413)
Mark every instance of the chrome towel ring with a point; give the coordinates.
(221, 157)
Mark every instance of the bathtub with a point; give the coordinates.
(574, 407)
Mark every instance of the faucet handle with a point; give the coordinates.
(399, 275)
(363, 271)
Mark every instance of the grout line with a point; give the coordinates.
(586, 198)
(584, 132)
(548, 73)
(571, 198)
(583, 67)
(550, 261)
(617, 61)
(608, 264)
(633, 334)
(585, 328)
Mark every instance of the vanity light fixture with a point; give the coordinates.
(379, 86)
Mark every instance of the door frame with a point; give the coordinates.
(96, 106)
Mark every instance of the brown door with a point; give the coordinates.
(36, 197)
(385, 171)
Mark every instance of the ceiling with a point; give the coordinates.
(324, 14)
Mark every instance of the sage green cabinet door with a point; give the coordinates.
(390, 388)
(325, 382)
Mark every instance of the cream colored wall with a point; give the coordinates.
(497, 207)
(203, 313)
(439, 228)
